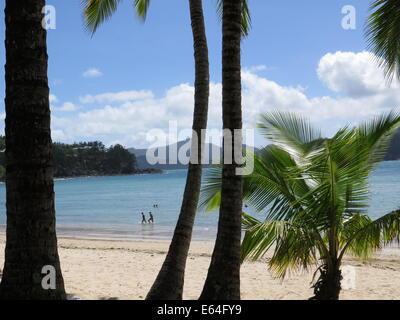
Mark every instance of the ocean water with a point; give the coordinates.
(110, 207)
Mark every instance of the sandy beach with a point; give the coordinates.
(114, 269)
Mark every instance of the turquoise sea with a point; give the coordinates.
(110, 207)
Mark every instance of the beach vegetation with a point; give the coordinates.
(310, 196)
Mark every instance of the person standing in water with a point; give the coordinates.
(151, 219)
(143, 218)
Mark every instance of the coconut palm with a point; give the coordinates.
(314, 194)
(223, 278)
(170, 280)
(31, 242)
(383, 32)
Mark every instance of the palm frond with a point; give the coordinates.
(290, 132)
(97, 11)
(383, 34)
(376, 134)
(142, 7)
(365, 236)
(210, 196)
(296, 246)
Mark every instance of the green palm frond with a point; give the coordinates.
(210, 197)
(364, 236)
(296, 246)
(383, 33)
(377, 134)
(142, 7)
(290, 132)
(97, 11)
(246, 16)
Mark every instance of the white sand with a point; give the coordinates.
(107, 269)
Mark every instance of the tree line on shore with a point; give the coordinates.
(86, 159)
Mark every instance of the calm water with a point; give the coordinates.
(111, 206)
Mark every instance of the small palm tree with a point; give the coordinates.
(314, 192)
(383, 33)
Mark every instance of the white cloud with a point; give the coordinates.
(58, 135)
(53, 98)
(352, 74)
(255, 69)
(128, 116)
(67, 107)
(117, 96)
(92, 73)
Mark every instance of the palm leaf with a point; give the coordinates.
(296, 246)
(365, 236)
(97, 11)
(376, 134)
(142, 7)
(383, 34)
(290, 132)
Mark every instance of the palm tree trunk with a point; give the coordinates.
(328, 285)
(223, 279)
(170, 280)
(31, 242)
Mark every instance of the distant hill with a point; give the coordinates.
(141, 161)
(394, 150)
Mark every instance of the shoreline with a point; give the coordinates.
(125, 269)
(137, 232)
(142, 172)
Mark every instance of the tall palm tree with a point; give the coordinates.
(170, 280)
(383, 33)
(314, 193)
(31, 242)
(223, 278)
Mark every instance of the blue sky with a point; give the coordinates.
(150, 65)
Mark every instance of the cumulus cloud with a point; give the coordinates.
(128, 116)
(67, 107)
(92, 73)
(116, 97)
(258, 68)
(53, 98)
(352, 74)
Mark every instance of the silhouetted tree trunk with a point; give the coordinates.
(31, 234)
(170, 280)
(328, 286)
(223, 278)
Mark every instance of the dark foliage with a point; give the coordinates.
(86, 159)
(91, 158)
